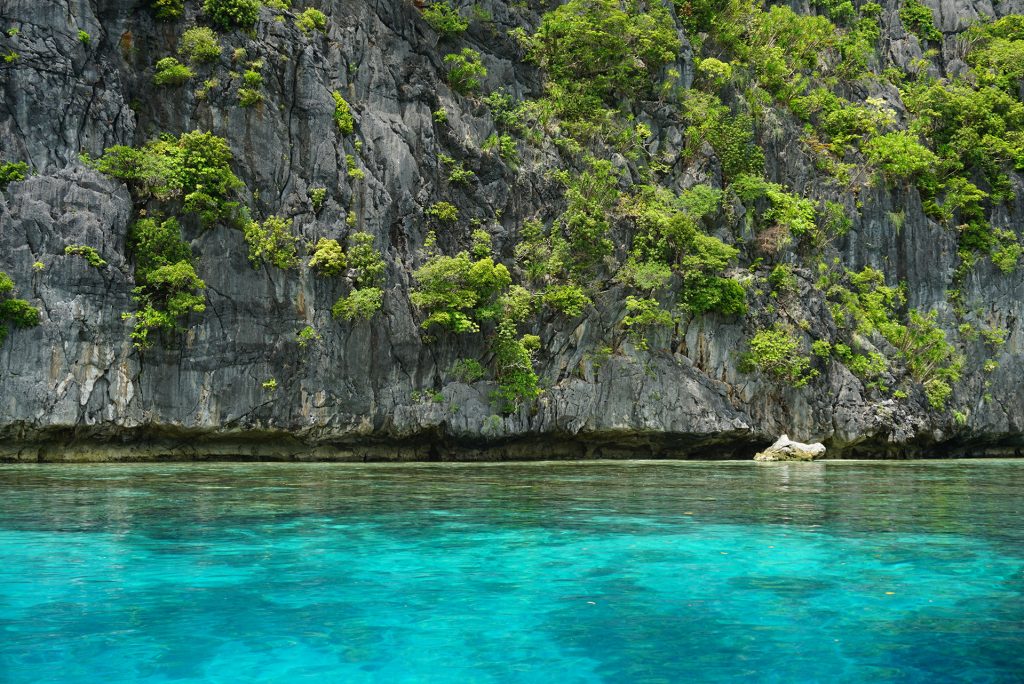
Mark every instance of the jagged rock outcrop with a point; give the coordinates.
(74, 387)
(785, 449)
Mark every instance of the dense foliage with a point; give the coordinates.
(191, 171)
(228, 14)
(11, 172)
(444, 18)
(13, 311)
(664, 197)
(190, 174)
(199, 44)
(167, 286)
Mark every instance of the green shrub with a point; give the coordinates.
(997, 52)
(868, 306)
(199, 45)
(782, 278)
(360, 303)
(841, 122)
(208, 85)
(343, 114)
(504, 145)
(354, 172)
(668, 242)
(272, 242)
(83, 37)
(1008, 255)
(866, 366)
(821, 348)
(458, 173)
(644, 275)
(317, 197)
(366, 267)
(901, 156)
(88, 253)
(465, 70)
(252, 78)
(918, 19)
(858, 46)
(155, 243)
(923, 347)
(979, 129)
(597, 49)
(705, 293)
(644, 315)
(937, 392)
(445, 212)
(328, 258)
(249, 97)
(772, 46)
(776, 352)
(571, 300)
(228, 14)
(167, 10)
(715, 71)
(365, 260)
(839, 11)
(194, 168)
(307, 336)
(170, 72)
(781, 43)
(458, 293)
(167, 286)
(179, 286)
(730, 136)
(513, 357)
(481, 244)
(543, 255)
(12, 172)
(13, 311)
(591, 196)
(467, 370)
(311, 20)
(445, 19)
(786, 212)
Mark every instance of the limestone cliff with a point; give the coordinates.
(80, 79)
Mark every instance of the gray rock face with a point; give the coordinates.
(74, 387)
(785, 449)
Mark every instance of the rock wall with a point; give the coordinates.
(74, 387)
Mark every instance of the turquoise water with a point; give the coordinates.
(597, 572)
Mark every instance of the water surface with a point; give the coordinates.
(543, 572)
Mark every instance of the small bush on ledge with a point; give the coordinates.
(311, 20)
(227, 14)
(87, 253)
(171, 72)
(775, 352)
(16, 312)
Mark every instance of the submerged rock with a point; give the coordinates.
(786, 449)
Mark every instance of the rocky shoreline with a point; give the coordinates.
(247, 446)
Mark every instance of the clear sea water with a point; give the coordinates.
(553, 572)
